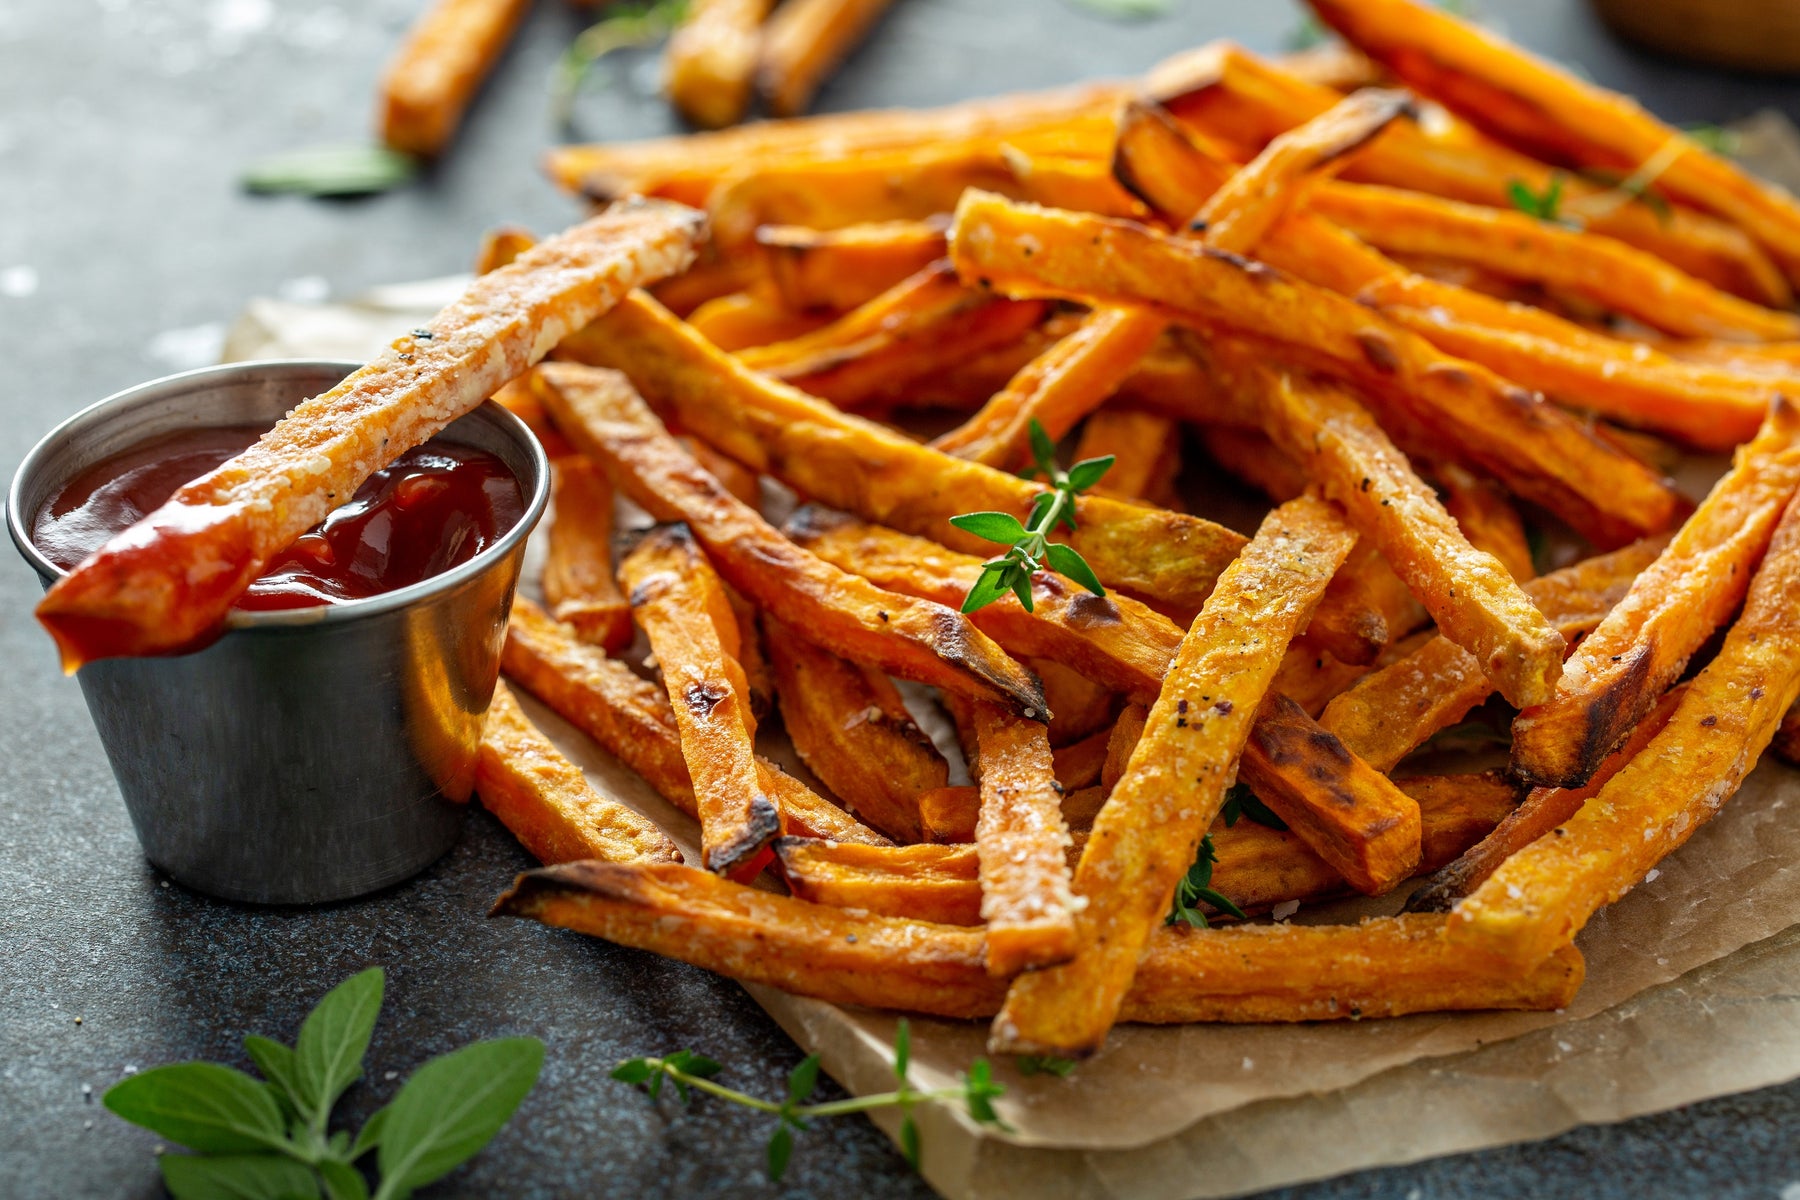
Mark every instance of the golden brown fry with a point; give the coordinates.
(547, 802)
(170, 579)
(1542, 896)
(1609, 273)
(1366, 609)
(1644, 643)
(1145, 838)
(680, 603)
(1078, 764)
(914, 639)
(1112, 640)
(1122, 743)
(1539, 452)
(1473, 598)
(1258, 866)
(949, 814)
(1348, 813)
(1551, 114)
(741, 320)
(1331, 64)
(1146, 451)
(1384, 967)
(1234, 95)
(858, 466)
(1312, 677)
(1542, 811)
(751, 656)
(839, 269)
(501, 245)
(1487, 519)
(734, 476)
(1068, 181)
(709, 63)
(1022, 844)
(432, 77)
(1388, 714)
(1079, 705)
(805, 42)
(912, 330)
(852, 730)
(708, 279)
(517, 398)
(632, 719)
(578, 571)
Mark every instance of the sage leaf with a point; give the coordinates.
(238, 1177)
(369, 1136)
(451, 1108)
(334, 1037)
(276, 1062)
(343, 1181)
(203, 1106)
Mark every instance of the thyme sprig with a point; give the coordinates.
(1029, 548)
(627, 27)
(1196, 887)
(690, 1072)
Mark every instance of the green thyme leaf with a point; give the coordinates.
(1240, 801)
(1545, 207)
(1066, 560)
(1125, 10)
(1000, 527)
(781, 1149)
(1086, 473)
(626, 27)
(909, 1142)
(802, 1079)
(1045, 1064)
(1716, 138)
(902, 1049)
(341, 170)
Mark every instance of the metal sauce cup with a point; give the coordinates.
(311, 754)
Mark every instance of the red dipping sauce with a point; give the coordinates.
(433, 508)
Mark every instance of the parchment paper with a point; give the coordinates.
(1693, 991)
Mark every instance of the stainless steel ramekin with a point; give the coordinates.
(307, 755)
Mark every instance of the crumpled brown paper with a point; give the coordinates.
(1692, 988)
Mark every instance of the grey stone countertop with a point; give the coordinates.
(124, 243)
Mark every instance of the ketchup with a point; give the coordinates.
(434, 507)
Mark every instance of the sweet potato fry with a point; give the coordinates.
(1146, 450)
(432, 77)
(1532, 104)
(948, 815)
(839, 269)
(1231, 94)
(709, 65)
(864, 468)
(688, 168)
(1389, 713)
(1468, 592)
(1540, 813)
(1078, 764)
(1644, 643)
(1347, 812)
(547, 802)
(501, 245)
(680, 603)
(1312, 677)
(1022, 844)
(710, 278)
(1070, 181)
(1487, 519)
(914, 639)
(736, 478)
(578, 571)
(1258, 866)
(1539, 452)
(1113, 640)
(805, 42)
(911, 331)
(1366, 609)
(1079, 706)
(851, 728)
(169, 581)
(1384, 967)
(631, 717)
(1542, 896)
(1146, 836)
(1127, 731)
(741, 320)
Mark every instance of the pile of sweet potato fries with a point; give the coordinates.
(1314, 271)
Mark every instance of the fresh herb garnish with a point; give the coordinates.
(1029, 548)
(1240, 801)
(344, 170)
(1125, 10)
(1196, 887)
(627, 27)
(1045, 1064)
(1715, 138)
(1310, 32)
(273, 1138)
(1545, 207)
(691, 1072)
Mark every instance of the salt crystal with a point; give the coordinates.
(1285, 909)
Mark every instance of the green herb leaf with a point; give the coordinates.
(909, 1141)
(237, 1177)
(902, 1049)
(634, 1070)
(203, 1106)
(1196, 888)
(1716, 138)
(1066, 560)
(803, 1078)
(1086, 473)
(1125, 10)
(1000, 527)
(343, 1181)
(980, 1091)
(1240, 801)
(990, 587)
(1304, 36)
(451, 1108)
(1045, 1064)
(345, 170)
(781, 1149)
(276, 1062)
(1043, 447)
(1021, 586)
(626, 27)
(369, 1136)
(333, 1039)
(1547, 207)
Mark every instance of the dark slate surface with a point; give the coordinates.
(122, 124)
